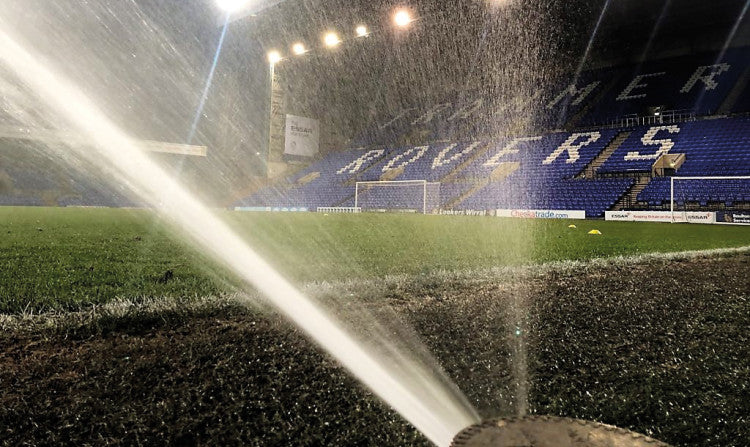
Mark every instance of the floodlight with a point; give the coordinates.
(299, 49)
(331, 39)
(362, 31)
(402, 18)
(231, 5)
(274, 57)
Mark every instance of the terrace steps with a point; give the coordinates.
(473, 190)
(589, 172)
(308, 178)
(731, 100)
(576, 119)
(253, 185)
(393, 174)
(498, 175)
(351, 181)
(630, 197)
(451, 176)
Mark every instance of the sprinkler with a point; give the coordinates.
(549, 431)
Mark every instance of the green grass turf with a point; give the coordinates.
(67, 258)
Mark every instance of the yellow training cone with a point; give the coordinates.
(572, 226)
(595, 232)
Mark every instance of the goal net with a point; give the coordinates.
(710, 199)
(418, 196)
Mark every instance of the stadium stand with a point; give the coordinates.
(12, 200)
(695, 84)
(712, 147)
(743, 100)
(544, 178)
(539, 172)
(323, 184)
(600, 163)
(29, 177)
(696, 194)
(718, 147)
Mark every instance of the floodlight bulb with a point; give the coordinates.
(231, 5)
(331, 39)
(299, 49)
(362, 31)
(402, 18)
(274, 57)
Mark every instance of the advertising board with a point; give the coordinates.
(542, 214)
(661, 216)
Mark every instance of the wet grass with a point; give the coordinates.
(57, 258)
(659, 347)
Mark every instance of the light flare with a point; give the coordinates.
(231, 6)
(402, 18)
(331, 39)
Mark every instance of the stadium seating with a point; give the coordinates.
(544, 179)
(327, 187)
(592, 196)
(12, 200)
(544, 171)
(696, 84)
(478, 171)
(547, 163)
(712, 148)
(724, 193)
(415, 197)
(30, 177)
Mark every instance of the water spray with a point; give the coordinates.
(417, 391)
(549, 431)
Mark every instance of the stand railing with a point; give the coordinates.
(665, 117)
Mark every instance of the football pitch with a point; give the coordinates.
(157, 351)
(66, 258)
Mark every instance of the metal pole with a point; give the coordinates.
(671, 198)
(356, 194)
(438, 196)
(270, 122)
(424, 199)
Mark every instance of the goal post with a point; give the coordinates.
(397, 195)
(691, 196)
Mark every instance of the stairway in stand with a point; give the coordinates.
(630, 197)
(590, 170)
(731, 100)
